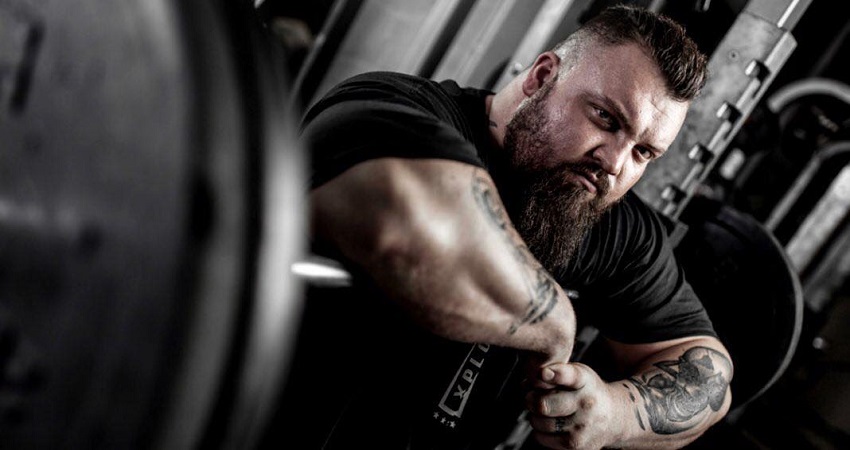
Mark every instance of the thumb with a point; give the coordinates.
(565, 375)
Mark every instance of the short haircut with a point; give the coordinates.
(677, 56)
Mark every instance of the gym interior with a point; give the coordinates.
(153, 225)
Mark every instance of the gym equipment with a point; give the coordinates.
(742, 67)
(818, 247)
(749, 288)
(149, 213)
(411, 36)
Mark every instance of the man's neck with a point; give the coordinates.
(496, 119)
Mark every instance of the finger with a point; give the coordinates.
(528, 384)
(570, 376)
(553, 403)
(537, 384)
(544, 424)
(566, 440)
(545, 378)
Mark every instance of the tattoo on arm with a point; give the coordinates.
(678, 391)
(542, 290)
(637, 412)
(543, 300)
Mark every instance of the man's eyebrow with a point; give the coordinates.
(616, 110)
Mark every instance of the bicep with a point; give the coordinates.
(633, 358)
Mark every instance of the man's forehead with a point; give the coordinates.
(669, 120)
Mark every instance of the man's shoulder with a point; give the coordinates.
(379, 90)
(385, 76)
(385, 114)
(380, 85)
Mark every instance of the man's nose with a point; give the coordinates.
(612, 156)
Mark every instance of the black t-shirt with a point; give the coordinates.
(365, 374)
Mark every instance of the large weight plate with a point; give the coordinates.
(134, 222)
(748, 287)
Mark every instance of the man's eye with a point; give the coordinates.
(645, 153)
(606, 118)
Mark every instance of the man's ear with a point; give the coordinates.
(545, 67)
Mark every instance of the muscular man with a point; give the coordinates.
(464, 215)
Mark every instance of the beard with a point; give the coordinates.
(551, 214)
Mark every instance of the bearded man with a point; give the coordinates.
(465, 217)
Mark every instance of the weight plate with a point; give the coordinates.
(751, 292)
(148, 214)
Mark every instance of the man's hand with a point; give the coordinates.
(671, 397)
(571, 407)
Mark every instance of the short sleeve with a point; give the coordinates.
(351, 132)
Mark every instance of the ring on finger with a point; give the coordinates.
(560, 424)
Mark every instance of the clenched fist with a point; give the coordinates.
(571, 407)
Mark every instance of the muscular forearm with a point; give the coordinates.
(434, 236)
(675, 397)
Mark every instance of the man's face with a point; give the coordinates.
(582, 141)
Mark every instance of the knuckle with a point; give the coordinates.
(587, 403)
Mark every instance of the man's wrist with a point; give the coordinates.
(564, 333)
(624, 424)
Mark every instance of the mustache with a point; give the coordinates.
(589, 169)
(597, 175)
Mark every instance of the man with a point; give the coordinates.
(464, 214)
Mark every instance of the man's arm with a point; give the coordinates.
(678, 390)
(434, 236)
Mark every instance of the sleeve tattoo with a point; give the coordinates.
(675, 392)
(543, 295)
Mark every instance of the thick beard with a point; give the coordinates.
(553, 218)
(552, 215)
